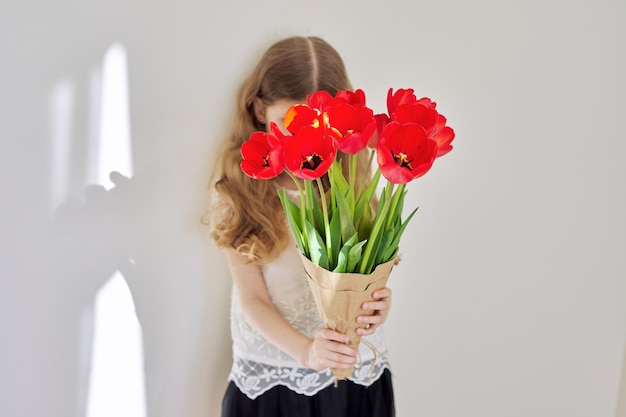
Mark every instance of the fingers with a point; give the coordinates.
(332, 335)
(376, 305)
(330, 350)
(336, 360)
(367, 330)
(381, 301)
(382, 293)
(370, 323)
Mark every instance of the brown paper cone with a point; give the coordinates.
(339, 297)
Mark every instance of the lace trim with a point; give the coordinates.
(255, 378)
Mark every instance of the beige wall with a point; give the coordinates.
(511, 298)
(621, 403)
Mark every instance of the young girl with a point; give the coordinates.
(281, 352)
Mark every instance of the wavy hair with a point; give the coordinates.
(246, 214)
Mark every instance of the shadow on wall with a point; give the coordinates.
(122, 234)
(112, 366)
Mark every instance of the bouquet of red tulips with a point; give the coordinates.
(338, 230)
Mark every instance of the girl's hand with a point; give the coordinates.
(329, 350)
(380, 304)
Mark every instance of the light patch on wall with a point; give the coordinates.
(116, 385)
(62, 109)
(114, 141)
(116, 382)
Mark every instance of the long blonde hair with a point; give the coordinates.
(246, 214)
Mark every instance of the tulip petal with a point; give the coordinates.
(301, 115)
(404, 152)
(401, 96)
(262, 156)
(355, 124)
(319, 100)
(309, 153)
(443, 139)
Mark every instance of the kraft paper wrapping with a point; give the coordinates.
(339, 297)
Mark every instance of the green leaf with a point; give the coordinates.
(366, 196)
(346, 216)
(338, 180)
(397, 206)
(371, 187)
(385, 240)
(392, 250)
(365, 224)
(354, 257)
(368, 263)
(395, 209)
(317, 249)
(344, 255)
(292, 211)
(342, 259)
(378, 228)
(314, 206)
(335, 238)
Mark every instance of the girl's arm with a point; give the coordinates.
(326, 350)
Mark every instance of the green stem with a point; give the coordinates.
(310, 195)
(394, 204)
(331, 179)
(381, 217)
(352, 183)
(369, 165)
(302, 206)
(326, 221)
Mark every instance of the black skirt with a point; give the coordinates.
(346, 400)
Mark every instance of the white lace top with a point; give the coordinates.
(258, 365)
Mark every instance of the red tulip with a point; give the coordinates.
(382, 120)
(401, 96)
(416, 113)
(425, 101)
(302, 115)
(439, 132)
(277, 132)
(319, 100)
(407, 109)
(354, 126)
(343, 118)
(405, 152)
(262, 156)
(309, 153)
(352, 97)
(351, 121)
(443, 135)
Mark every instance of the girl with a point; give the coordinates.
(281, 352)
